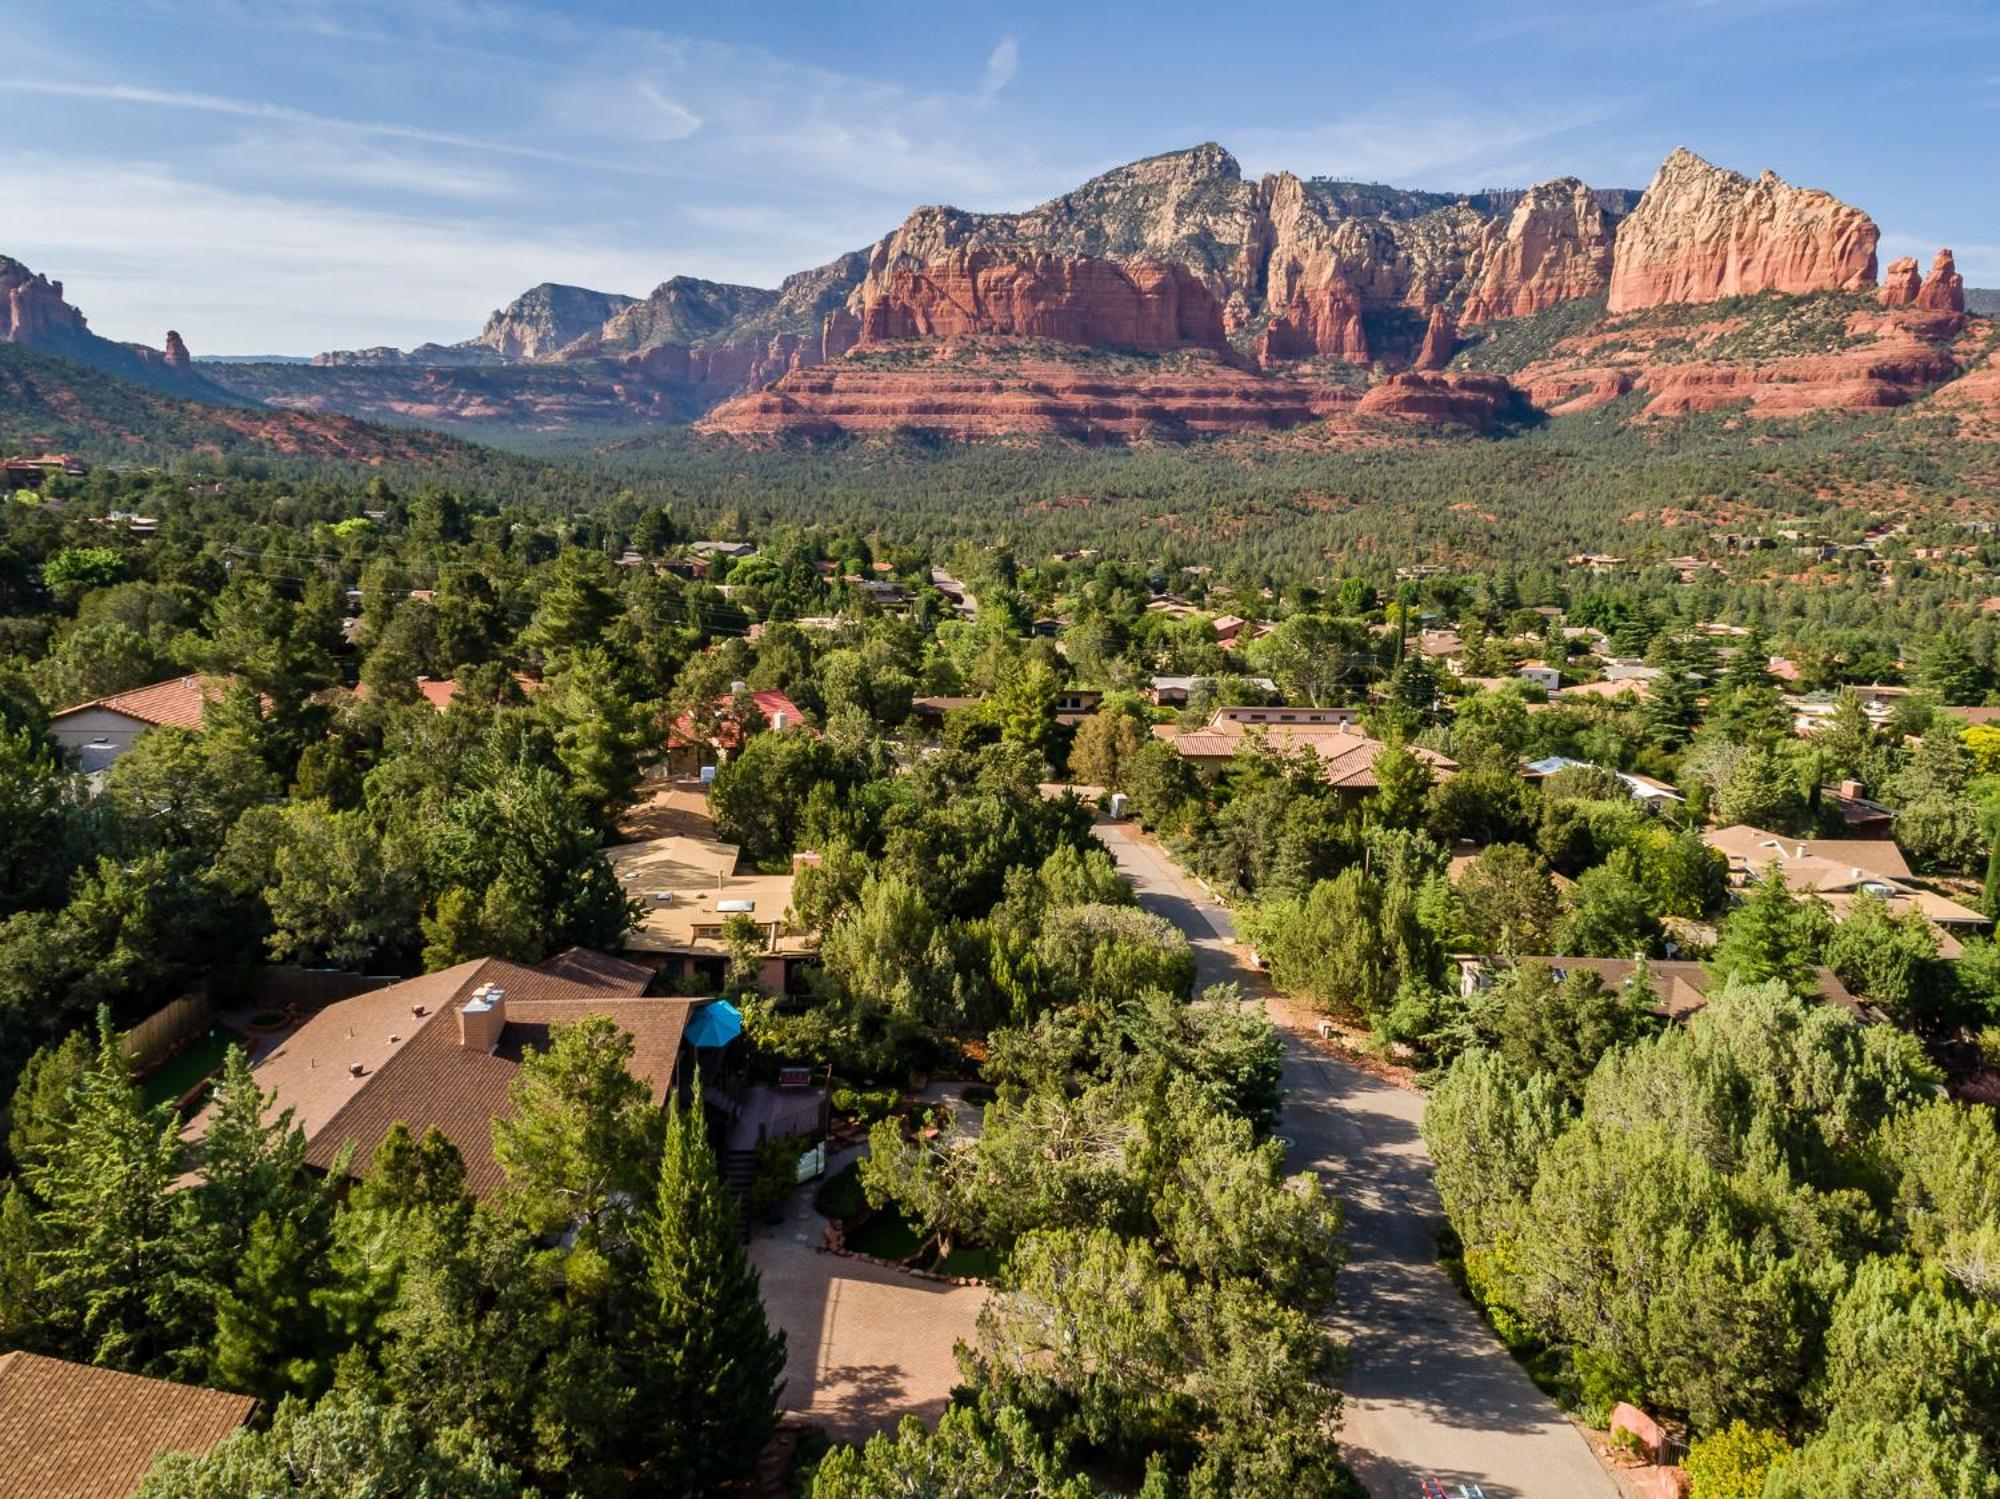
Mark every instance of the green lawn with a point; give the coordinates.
(980, 1264)
(886, 1236)
(186, 1067)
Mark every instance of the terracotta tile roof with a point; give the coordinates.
(415, 1069)
(729, 733)
(72, 1431)
(177, 704)
(439, 691)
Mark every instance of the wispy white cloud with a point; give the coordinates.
(1416, 145)
(295, 161)
(666, 120)
(1001, 65)
(285, 114)
(140, 247)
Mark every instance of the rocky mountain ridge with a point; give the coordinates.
(33, 312)
(1180, 258)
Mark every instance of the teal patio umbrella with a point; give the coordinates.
(714, 1025)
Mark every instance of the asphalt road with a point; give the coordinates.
(1431, 1392)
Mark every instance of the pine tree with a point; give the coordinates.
(710, 1358)
(112, 1251)
(1674, 708)
(250, 1168)
(1749, 665)
(575, 608)
(269, 1329)
(262, 1236)
(1772, 934)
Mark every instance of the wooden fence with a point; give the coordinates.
(281, 986)
(152, 1039)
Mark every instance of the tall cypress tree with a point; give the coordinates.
(711, 1362)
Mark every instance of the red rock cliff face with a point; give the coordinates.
(1440, 339)
(1943, 289)
(972, 292)
(1554, 247)
(1181, 251)
(1701, 233)
(1900, 283)
(32, 306)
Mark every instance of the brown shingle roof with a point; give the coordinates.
(72, 1431)
(1347, 755)
(178, 704)
(1680, 989)
(416, 1071)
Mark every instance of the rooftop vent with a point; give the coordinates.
(419, 1010)
(736, 687)
(736, 905)
(355, 1069)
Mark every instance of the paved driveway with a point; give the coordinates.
(1431, 1392)
(864, 1345)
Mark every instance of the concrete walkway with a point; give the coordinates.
(1432, 1392)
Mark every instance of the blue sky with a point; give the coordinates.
(292, 175)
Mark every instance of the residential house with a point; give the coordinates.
(1678, 989)
(28, 473)
(1814, 711)
(1647, 792)
(441, 1050)
(1863, 818)
(1173, 692)
(1076, 703)
(691, 887)
(1839, 871)
(1281, 713)
(1627, 669)
(76, 1431)
(1540, 674)
(690, 750)
(1607, 691)
(933, 709)
(440, 691)
(1346, 754)
(1447, 646)
(100, 731)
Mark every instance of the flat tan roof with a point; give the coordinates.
(690, 888)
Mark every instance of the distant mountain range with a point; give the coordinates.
(1176, 297)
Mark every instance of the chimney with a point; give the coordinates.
(1851, 790)
(481, 1019)
(778, 719)
(736, 687)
